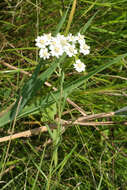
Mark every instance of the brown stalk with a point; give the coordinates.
(95, 116)
(7, 170)
(27, 133)
(71, 16)
(64, 123)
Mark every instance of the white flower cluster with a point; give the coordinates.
(56, 46)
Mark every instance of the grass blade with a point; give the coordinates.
(71, 17)
(122, 111)
(83, 30)
(81, 80)
(59, 26)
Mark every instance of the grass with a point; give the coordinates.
(90, 154)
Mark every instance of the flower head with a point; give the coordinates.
(40, 42)
(43, 41)
(70, 50)
(71, 38)
(79, 66)
(56, 46)
(48, 38)
(62, 40)
(56, 50)
(80, 38)
(84, 48)
(44, 53)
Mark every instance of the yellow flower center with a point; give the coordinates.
(42, 42)
(57, 49)
(80, 65)
(45, 53)
(71, 49)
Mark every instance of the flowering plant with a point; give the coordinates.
(55, 47)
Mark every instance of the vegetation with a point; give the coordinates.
(72, 125)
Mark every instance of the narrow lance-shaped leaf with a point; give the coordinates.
(33, 85)
(26, 92)
(86, 26)
(81, 80)
(60, 24)
(48, 100)
(122, 111)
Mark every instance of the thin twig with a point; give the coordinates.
(64, 123)
(113, 76)
(114, 94)
(27, 133)
(14, 68)
(7, 170)
(92, 123)
(95, 116)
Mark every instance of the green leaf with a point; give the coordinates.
(64, 161)
(28, 90)
(60, 24)
(49, 99)
(50, 132)
(33, 85)
(83, 30)
(81, 80)
(122, 111)
(49, 113)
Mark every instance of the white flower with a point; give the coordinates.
(62, 40)
(56, 50)
(56, 46)
(40, 42)
(44, 53)
(84, 48)
(54, 42)
(60, 36)
(48, 38)
(79, 66)
(72, 38)
(43, 41)
(70, 50)
(80, 38)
